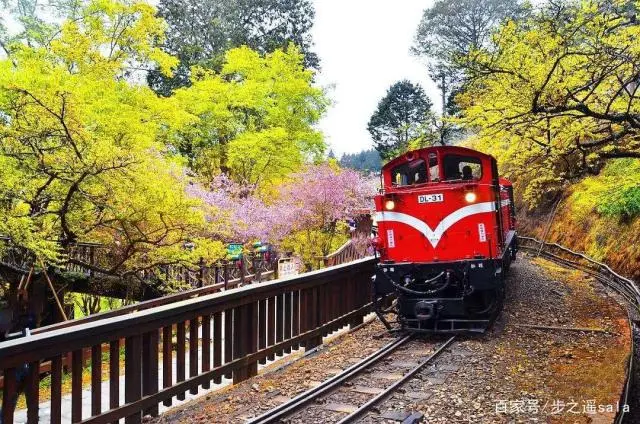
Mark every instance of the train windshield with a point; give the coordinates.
(410, 173)
(458, 167)
(418, 171)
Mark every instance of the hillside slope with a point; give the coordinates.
(599, 216)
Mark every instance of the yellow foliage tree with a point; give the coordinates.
(82, 153)
(555, 96)
(254, 120)
(89, 153)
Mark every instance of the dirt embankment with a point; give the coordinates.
(610, 240)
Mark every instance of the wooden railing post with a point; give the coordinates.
(262, 326)
(96, 379)
(114, 373)
(167, 361)
(312, 317)
(150, 368)
(287, 319)
(92, 258)
(295, 330)
(257, 269)
(271, 324)
(9, 395)
(201, 273)
(133, 375)
(32, 392)
(193, 351)
(245, 340)
(228, 337)
(56, 389)
(217, 343)
(279, 321)
(76, 386)
(252, 331)
(180, 356)
(358, 297)
(334, 308)
(206, 346)
(322, 307)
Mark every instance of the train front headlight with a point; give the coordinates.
(470, 197)
(390, 205)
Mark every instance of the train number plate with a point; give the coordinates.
(430, 198)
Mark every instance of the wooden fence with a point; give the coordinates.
(346, 253)
(224, 334)
(45, 367)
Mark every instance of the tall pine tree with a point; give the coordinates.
(403, 116)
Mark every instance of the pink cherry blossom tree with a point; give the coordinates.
(323, 197)
(306, 216)
(236, 214)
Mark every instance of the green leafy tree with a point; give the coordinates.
(451, 29)
(403, 117)
(200, 32)
(366, 160)
(36, 22)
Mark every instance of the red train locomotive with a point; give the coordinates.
(446, 238)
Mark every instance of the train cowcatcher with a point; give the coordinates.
(446, 238)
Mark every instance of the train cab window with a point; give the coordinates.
(414, 172)
(461, 168)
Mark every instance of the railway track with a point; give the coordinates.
(623, 286)
(322, 403)
(302, 407)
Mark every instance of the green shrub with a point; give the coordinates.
(623, 203)
(615, 193)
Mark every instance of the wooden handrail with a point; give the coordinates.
(341, 249)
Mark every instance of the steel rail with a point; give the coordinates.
(632, 285)
(295, 404)
(622, 285)
(622, 289)
(391, 389)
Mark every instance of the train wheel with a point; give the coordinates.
(500, 293)
(485, 304)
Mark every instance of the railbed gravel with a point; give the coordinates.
(512, 374)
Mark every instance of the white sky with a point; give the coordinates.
(364, 48)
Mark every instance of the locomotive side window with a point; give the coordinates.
(414, 172)
(461, 168)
